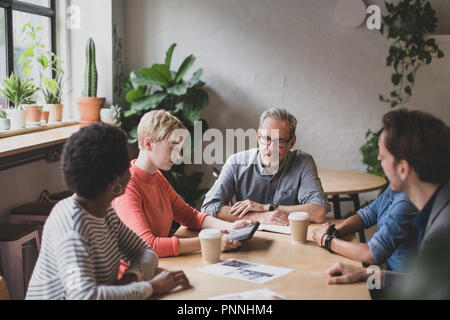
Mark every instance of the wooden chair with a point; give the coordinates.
(12, 239)
(4, 294)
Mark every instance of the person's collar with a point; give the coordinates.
(421, 219)
(141, 174)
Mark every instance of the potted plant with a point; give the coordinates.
(4, 121)
(19, 93)
(110, 115)
(52, 95)
(89, 106)
(33, 115)
(408, 23)
(48, 63)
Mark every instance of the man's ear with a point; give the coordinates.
(292, 142)
(404, 169)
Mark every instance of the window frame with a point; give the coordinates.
(13, 5)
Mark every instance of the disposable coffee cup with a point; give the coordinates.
(210, 241)
(299, 226)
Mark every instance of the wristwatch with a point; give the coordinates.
(328, 242)
(273, 206)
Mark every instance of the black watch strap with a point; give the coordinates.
(328, 242)
(273, 206)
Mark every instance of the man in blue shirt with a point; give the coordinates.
(394, 241)
(414, 149)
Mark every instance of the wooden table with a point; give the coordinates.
(307, 281)
(336, 183)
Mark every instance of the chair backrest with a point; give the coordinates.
(4, 294)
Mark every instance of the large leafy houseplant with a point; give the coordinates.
(158, 87)
(407, 23)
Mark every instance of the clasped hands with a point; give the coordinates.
(260, 211)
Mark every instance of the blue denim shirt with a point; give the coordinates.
(395, 239)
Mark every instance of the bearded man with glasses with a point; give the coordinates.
(271, 181)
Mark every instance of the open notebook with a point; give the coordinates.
(275, 228)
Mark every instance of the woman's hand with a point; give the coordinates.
(319, 233)
(166, 281)
(345, 273)
(241, 208)
(241, 223)
(229, 244)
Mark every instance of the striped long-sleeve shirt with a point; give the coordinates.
(80, 257)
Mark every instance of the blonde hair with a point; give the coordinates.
(159, 125)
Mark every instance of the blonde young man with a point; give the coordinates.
(150, 204)
(271, 181)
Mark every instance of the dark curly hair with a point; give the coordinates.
(92, 157)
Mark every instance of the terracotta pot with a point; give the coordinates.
(33, 114)
(44, 116)
(17, 118)
(89, 109)
(56, 111)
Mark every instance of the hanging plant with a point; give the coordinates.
(408, 22)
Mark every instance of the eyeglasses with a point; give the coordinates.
(267, 141)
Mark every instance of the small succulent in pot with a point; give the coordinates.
(4, 121)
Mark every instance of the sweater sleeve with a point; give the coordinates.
(76, 272)
(183, 212)
(129, 208)
(142, 258)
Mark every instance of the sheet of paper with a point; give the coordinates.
(261, 294)
(243, 270)
(275, 228)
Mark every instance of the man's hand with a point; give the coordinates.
(345, 273)
(166, 281)
(241, 208)
(319, 233)
(276, 217)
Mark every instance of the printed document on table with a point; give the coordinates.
(262, 294)
(243, 270)
(275, 228)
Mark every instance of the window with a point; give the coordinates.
(14, 15)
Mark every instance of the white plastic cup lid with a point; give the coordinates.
(299, 216)
(210, 234)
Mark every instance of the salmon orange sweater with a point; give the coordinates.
(148, 207)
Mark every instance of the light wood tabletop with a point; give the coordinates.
(307, 281)
(337, 182)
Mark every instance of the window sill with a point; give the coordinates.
(32, 144)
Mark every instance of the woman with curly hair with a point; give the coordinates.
(84, 240)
